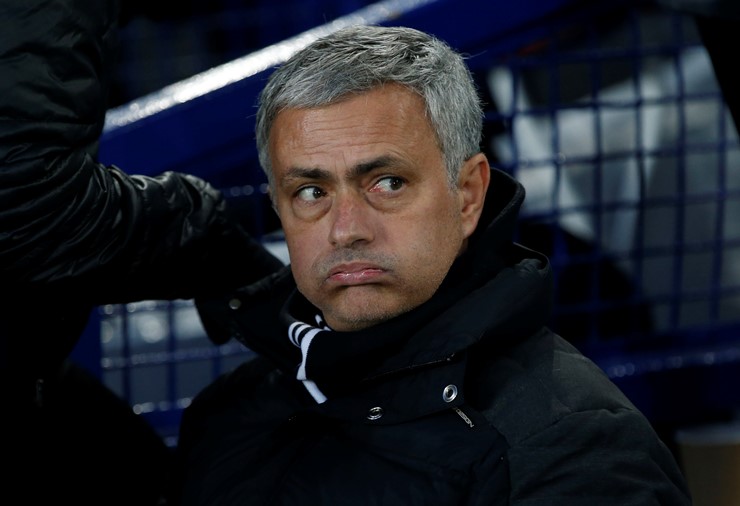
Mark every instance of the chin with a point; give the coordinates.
(372, 315)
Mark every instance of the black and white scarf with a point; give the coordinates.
(302, 335)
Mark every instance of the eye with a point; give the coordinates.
(388, 184)
(310, 193)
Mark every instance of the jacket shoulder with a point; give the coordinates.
(538, 381)
(568, 427)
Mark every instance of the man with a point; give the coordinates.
(75, 234)
(404, 357)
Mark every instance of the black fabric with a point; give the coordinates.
(83, 445)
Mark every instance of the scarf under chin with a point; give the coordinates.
(332, 362)
(302, 335)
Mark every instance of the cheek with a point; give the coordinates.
(448, 235)
(444, 220)
(434, 240)
(301, 247)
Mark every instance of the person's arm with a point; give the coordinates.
(67, 220)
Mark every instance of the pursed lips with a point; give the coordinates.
(355, 274)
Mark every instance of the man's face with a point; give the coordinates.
(371, 223)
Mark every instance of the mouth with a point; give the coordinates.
(355, 274)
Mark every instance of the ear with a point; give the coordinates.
(472, 185)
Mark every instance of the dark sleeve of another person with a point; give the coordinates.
(68, 222)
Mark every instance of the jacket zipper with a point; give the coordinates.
(463, 416)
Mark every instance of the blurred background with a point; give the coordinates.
(618, 116)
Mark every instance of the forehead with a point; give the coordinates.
(390, 120)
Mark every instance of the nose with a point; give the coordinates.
(351, 218)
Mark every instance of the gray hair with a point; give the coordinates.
(359, 58)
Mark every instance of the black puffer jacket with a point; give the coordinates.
(75, 233)
(467, 400)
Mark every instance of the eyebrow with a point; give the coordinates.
(365, 167)
(319, 174)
